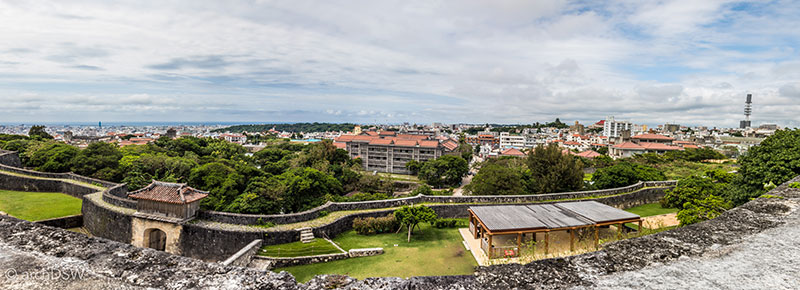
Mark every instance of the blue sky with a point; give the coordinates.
(651, 62)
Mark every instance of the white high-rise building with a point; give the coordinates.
(614, 128)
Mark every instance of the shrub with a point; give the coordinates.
(323, 213)
(422, 189)
(446, 223)
(794, 185)
(371, 226)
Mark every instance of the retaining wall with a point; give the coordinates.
(10, 158)
(67, 222)
(106, 222)
(252, 219)
(295, 261)
(202, 242)
(243, 257)
(21, 183)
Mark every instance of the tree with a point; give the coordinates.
(262, 196)
(222, 182)
(603, 150)
(51, 156)
(413, 166)
(625, 173)
(776, 160)
(689, 189)
(38, 132)
(700, 210)
(99, 160)
(465, 150)
(497, 179)
(411, 216)
(446, 170)
(553, 171)
(306, 188)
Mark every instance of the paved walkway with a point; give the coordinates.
(660, 221)
(474, 247)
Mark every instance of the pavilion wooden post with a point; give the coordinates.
(596, 237)
(519, 241)
(640, 227)
(489, 248)
(572, 240)
(619, 231)
(546, 242)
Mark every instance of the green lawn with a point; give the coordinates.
(651, 209)
(297, 249)
(34, 206)
(430, 252)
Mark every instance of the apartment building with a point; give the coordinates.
(511, 141)
(388, 151)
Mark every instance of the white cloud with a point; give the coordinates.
(395, 61)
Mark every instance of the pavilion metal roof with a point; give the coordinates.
(597, 212)
(548, 216)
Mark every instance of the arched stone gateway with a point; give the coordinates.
(159, 235)
(155, 239)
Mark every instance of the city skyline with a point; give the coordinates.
(454, 62)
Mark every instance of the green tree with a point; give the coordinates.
(689, 189)
(625, 173)
(222, 182)
(552, 171)
(465, 150)
(497, 179)
(704, 209)
(262, 196)
(38, 132)
(446, 170)
(306, 188)
(413, 166)
(411, 216)
(776, 160)
(48, 156)
(99, 160)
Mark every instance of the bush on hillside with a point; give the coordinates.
(371, 226)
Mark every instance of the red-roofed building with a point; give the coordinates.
(588, 154)
(174, 200)
(652, 138)
(513, 152)
(629, 149)
(389, 152)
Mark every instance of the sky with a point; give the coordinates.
(651, 62)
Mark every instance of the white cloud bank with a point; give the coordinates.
(690, 62)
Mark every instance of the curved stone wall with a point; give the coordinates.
(106, 221)
(10, 158)
(252, 219)
(202, 241)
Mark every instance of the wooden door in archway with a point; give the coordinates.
(158, 239)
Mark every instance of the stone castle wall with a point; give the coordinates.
(10, 158)
(252, 219)
(200, 241)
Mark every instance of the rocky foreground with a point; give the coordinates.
(752, 246)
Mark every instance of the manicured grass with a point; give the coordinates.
(34, 206)
(298, 249)
(651, 209)
(430, 252)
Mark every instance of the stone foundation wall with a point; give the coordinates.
(365, 252)
(105, 222)
(296, 261)
(67, 222)
(210, 244)
(21, 183)
(243, 257)
(10, 158)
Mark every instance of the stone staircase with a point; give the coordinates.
(306, 235)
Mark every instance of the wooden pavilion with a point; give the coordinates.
(486, 222)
